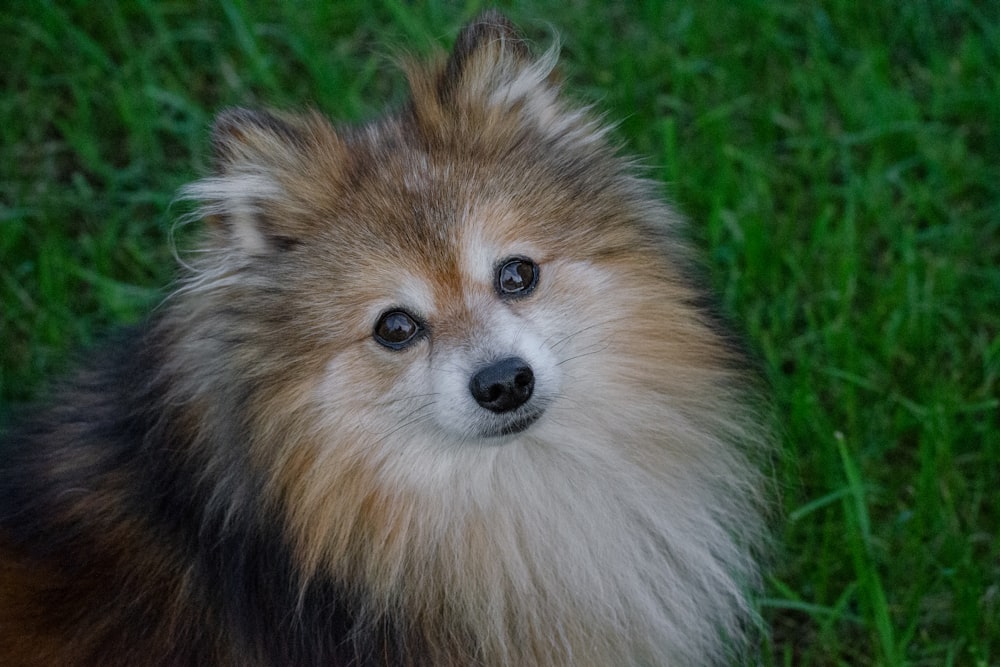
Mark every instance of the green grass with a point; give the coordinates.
(840, 162)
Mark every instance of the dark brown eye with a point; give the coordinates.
(517, 277)
(396, 329)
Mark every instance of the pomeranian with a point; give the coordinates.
(435, 390)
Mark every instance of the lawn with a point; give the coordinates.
(839, 163)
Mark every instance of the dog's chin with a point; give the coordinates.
(499, 428)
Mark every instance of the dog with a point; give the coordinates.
(440, 389)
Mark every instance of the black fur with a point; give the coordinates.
(133, 461)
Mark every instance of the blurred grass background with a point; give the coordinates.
(840, 163)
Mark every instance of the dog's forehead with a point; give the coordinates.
(451, 271)
(488, 232)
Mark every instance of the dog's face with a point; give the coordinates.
(481, 269)
(485, 364)
(473, 319)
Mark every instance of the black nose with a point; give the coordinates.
(503, 386)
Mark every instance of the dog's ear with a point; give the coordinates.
(251, 137)
(484, 47)
(259, 160)
(492, 87)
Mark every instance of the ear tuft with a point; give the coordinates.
(491, 88)
(256, 154)
(492, 36)
(250, 136)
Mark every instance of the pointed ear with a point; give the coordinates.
(492, 87)
(486, 43)
(249, 137)
(256, 154)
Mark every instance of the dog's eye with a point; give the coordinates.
(517, 277)
(396, 329)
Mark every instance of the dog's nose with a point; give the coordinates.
(503, 386)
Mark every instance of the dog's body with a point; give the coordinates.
(437, 391)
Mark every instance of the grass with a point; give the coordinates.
(839, 162)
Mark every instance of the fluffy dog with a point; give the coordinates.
(436, 390)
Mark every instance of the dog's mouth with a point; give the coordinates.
(512, 425)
